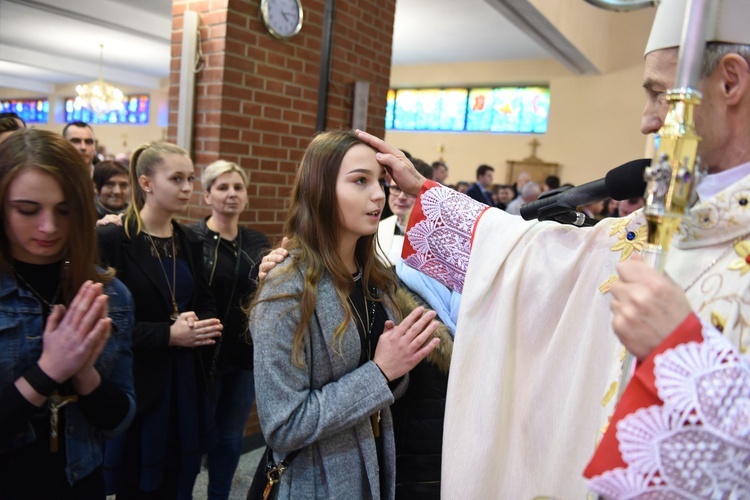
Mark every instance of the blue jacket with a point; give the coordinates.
(21, 345)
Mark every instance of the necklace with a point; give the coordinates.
(366, 324)
(365, 333)
(717, 259)
(175, 311)
(38, 295)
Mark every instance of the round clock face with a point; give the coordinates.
(283, 18)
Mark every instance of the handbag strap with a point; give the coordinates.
(273, 470)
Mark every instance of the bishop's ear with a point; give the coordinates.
(734, 71)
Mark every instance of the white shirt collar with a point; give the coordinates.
(713, 184)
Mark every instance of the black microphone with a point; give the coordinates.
(621, 183)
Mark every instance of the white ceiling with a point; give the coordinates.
(437, 31)
(48, 42)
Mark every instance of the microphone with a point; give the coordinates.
(621, 183)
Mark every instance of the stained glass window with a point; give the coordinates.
(498, 109)
(30, 110)
(134, 112)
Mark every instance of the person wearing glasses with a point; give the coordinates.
(391, 229)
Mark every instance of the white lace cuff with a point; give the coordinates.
(439, 234)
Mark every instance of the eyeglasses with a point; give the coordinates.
(394, 190)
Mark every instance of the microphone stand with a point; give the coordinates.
(562, 210)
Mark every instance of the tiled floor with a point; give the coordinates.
(242, 478)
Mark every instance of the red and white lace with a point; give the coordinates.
(442, 240)
(697, 445)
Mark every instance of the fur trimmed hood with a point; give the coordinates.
(441, 355)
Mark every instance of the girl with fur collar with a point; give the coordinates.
(329, 357)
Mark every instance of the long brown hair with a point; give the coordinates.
(144, 162)
(314, 238)
(53, 155)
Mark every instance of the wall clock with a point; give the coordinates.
(282, 18)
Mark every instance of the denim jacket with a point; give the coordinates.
(21, 345)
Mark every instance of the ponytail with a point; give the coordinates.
(144, 162)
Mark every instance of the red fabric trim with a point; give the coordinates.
(417, 215)
(640, 393)
(474, 227)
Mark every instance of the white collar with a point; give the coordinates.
(713, 184)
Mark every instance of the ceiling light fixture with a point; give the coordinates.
(99, 96)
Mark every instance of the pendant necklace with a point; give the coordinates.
(38, 295)
(369, 320)
(365, 329)
(366, 332)
(175, 311)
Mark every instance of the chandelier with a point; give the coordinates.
(99, 96)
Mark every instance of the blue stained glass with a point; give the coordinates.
(30, 110)
(390, 102)
(134, 112)
(453, 112)
(499, 109)
(405, 111)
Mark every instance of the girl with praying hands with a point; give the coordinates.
(160, 261)
(329, 357)
(65, 326)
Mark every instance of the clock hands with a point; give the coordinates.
(289, 16)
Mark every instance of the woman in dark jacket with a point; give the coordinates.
(230, 256)
(161, 263)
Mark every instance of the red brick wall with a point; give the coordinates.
(256, 98)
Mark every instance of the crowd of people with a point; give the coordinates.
(129, 361)
(135, 344)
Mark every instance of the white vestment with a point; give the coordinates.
(389, 243)
(535, 363)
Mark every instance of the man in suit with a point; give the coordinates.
(480, 191)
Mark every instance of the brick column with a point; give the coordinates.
(256, 97)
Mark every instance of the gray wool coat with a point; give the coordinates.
(324, 408)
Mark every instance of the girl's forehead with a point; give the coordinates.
(176, 163)
(361, 158)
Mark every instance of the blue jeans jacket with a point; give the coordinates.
(21, 345)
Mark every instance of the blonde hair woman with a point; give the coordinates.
(231, 255)
(160, 262)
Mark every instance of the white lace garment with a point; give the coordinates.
(697, 445)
